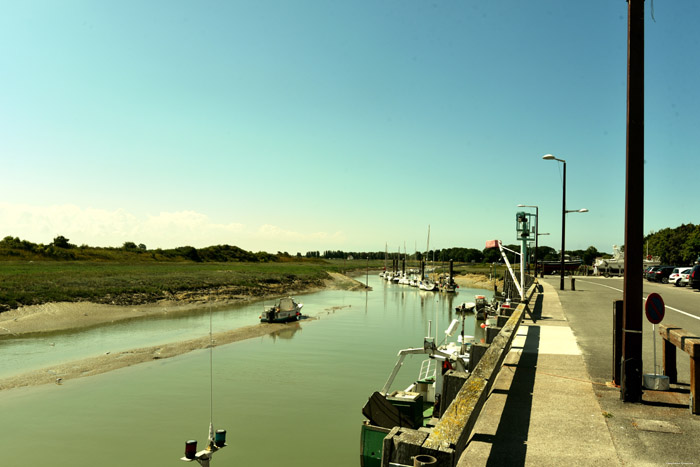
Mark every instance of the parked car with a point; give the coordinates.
(650, 272)
(694, 277)
(661, 274)
(675, 276)
(685, 279)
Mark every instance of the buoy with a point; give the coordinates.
(483, 325)
(191, 449)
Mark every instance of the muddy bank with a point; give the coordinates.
(58, 317)
(65, 316)
(60, 374)
(477, 281)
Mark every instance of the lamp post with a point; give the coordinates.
(537, 228)
(549, 157)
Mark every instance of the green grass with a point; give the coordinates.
(128, 283)
(107, 282)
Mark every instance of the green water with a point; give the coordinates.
(292, 400)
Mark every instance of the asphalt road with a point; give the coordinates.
(660, 430)
(593, 327)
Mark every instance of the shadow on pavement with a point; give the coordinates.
(536, 308)
(509, 444)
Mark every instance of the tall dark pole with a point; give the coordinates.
(631, 383)
(563, 228)
(537, 234)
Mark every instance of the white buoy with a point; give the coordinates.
(451, 329)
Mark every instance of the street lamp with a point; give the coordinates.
(537, 228)
(549, 157)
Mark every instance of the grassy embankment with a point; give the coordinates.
(129, 283)
(134, 283)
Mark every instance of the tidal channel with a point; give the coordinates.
(291, 399)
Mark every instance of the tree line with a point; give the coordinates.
(676, 246)
(679, 246)
(61, 249)
(465, 255)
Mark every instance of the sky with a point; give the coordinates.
(280, 125)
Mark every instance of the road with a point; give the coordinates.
(589, 311)
(660, 430)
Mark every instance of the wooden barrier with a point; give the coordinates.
(675, 337)
(448, 439)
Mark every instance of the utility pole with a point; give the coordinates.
(631, 382)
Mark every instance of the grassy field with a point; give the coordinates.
(107, 282)
(37, 282)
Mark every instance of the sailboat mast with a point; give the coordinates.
(427, 247)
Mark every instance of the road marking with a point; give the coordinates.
(645, 299)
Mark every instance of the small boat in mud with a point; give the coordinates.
(284, 311)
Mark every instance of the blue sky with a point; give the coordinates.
(314, 125)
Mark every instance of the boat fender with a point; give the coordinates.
(446, 365)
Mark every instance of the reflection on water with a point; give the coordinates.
(286, 331)
(293, 398)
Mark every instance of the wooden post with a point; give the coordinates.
(669, 360)
(688, 343)
(476, 352)
(491, 333)
(694, 406)
(617, 341)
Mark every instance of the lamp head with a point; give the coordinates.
(548, 157)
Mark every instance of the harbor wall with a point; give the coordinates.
(448, 438)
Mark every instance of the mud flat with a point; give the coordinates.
(113, 361)
(477, 281)
(66, 316)
(58, 317)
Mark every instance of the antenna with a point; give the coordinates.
(217, 440)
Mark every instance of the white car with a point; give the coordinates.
(685, 279)
(677, 275)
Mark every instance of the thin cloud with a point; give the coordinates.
(102, 227)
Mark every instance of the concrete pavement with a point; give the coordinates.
(546, 409)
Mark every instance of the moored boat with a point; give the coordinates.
(447, 284)
(419, 404)
(285, 310)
